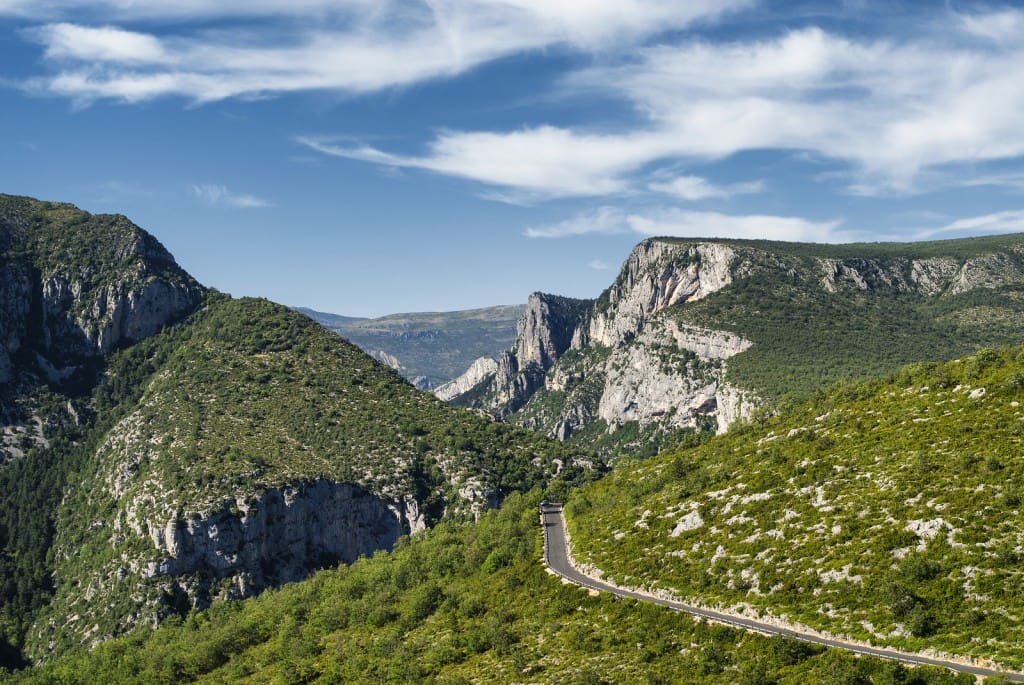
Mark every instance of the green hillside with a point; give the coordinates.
(166, 447)
(889, 511)
(248, 397)
(806, 337)
(459, 604)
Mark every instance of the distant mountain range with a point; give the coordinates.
(428, 348)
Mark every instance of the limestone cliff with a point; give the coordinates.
(640, 376)
(480, 370)
(545, 331)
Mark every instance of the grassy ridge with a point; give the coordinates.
(889, 511)
(806, 338)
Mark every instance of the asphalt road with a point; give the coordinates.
(556, 556)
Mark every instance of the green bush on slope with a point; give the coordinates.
(888, 510)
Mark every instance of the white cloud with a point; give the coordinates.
(150, 10)
(607, 220)
(356, 46)
(680, 223)
(1011, 221)
(585, 21)
(676, 222)
(598, 265)
(545, 160)
(890, 109)
(104, 44)
(219, 195)
(998, 26)
(697, 188)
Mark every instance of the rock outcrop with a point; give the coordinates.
(479, 371)
(546, 330)
(657, 275)
(640, 377)
(278, 536)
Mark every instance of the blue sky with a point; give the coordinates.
(374, 156)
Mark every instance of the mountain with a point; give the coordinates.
(694, 334)
(168, 446)
(429, 348)
(889, 511)
(75, 286)
(460, 604)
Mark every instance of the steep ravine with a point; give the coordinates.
(616, 359)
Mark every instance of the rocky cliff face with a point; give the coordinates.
(631, 357)
(546, 330)
(616, 359)
(482, 369)
(75, 286)
(657, 275)
(232, 551)
(279, 535)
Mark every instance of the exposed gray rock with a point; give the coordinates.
(546, 330)
(279, 536)
(639, 382)
(932, 276)
(985, 271)
(479, 371)
(704, 342)
(657, 275)
(386, 359)
(639, 387)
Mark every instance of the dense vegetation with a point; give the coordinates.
(431, 347)
(887, 510)
(251, 396)
(459, 604)
(37, 241)
(806, 338)
(242, 397)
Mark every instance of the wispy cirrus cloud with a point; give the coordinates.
(890, 108)
(1010, 221)
(672, 221)
(697, 188)
(603, 220)
(547, 161)
(355, 46)
(688, 224)
(220, 196)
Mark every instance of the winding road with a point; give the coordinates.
(557, 558)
